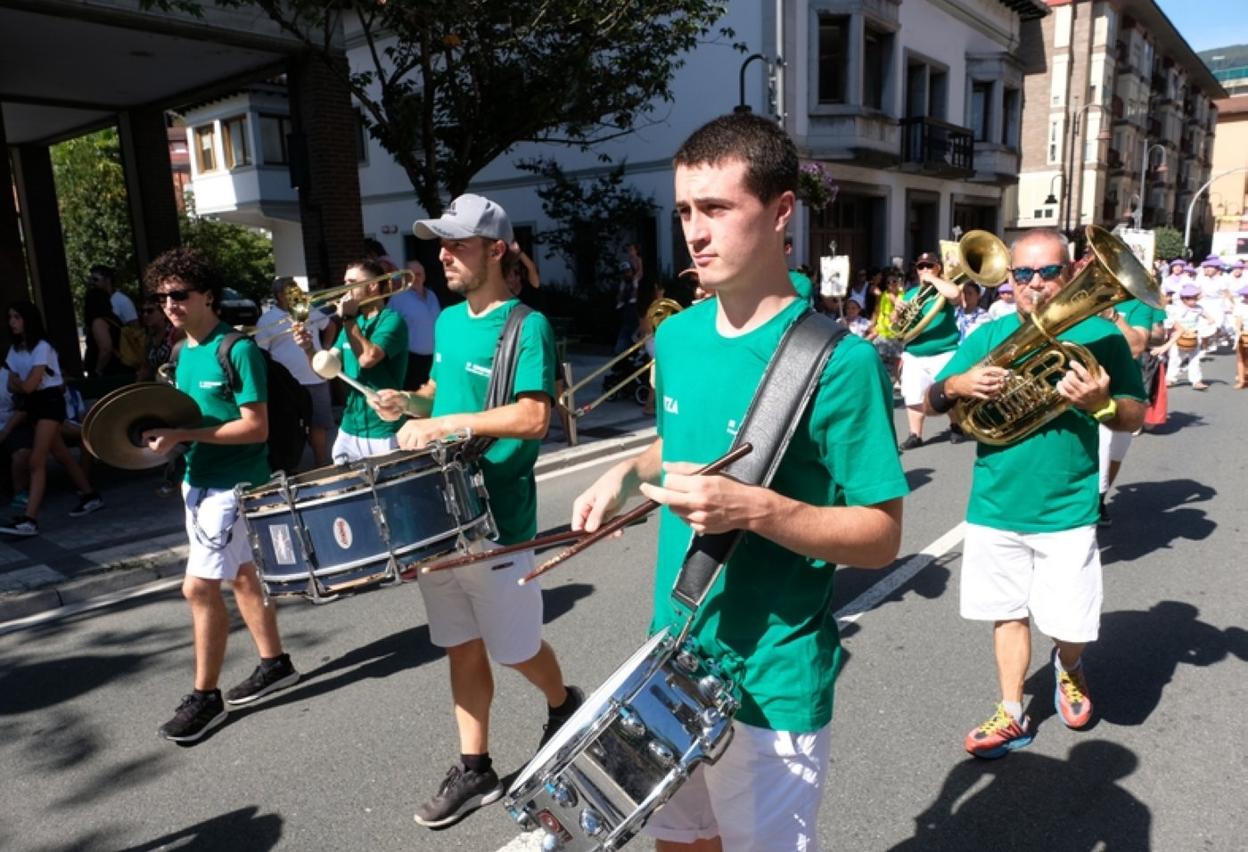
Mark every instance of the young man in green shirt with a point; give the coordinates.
(1030, 548)
(836, 497)
(227, 448)
(928, 353)
(373, 344)
(480, 611)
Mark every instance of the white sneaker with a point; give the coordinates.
(21, 525)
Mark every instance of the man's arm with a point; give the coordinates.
(367, 353)
(251, 427)
(604, 499)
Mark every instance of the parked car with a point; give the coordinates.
(237, 309)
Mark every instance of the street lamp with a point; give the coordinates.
(1052, 198)
(1187, 229)
(1148, 153)
(742, 106)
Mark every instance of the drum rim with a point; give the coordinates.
(591, 710)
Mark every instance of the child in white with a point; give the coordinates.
(1187, 316)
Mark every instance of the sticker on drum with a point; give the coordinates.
(342, 533)
(283, 548)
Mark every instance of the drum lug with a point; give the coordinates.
(563, 795)
(710, 687)
(591, 822)
(631, 722)
(711, 717)
(550, 843)
(687, 660)
(662, 753)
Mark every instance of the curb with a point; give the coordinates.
(140, 569)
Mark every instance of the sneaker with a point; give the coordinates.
(87, 504)
(910, 443)
(20, 501)
(999, 736)
(264, 681)
(461, 792)
(554, 723)
(196, 715)
(1071, 699)
(21, 525)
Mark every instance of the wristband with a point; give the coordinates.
(938, 399)
(1107, 413)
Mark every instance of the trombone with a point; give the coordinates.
(659, 310)
(299, 305)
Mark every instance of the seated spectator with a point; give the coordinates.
(35, 374)
(103, 332)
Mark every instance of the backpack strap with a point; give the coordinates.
(223, 356)
(503, 374)
(782, 396)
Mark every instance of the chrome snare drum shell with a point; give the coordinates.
(628, 748)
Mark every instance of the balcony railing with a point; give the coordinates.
(937, 146)
(1116, 107)
(1113, 158)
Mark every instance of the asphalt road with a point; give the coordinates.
(341, 760)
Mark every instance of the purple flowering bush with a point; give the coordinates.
(815, 186)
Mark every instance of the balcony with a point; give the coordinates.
(854, 136)
(1113, 159)
(1117, 109)
(995, 164)
(935, 147)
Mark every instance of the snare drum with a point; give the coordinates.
(627, 749)
(335, 528)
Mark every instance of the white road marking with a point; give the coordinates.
(530, 841)
(872, 597)
(614, 457)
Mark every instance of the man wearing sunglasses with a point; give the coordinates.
(1030, 548)
(227, 448)
(927, 354)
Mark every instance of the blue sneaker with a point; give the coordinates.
(20, 500)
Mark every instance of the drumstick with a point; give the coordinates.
(629, 517)
(328, 365)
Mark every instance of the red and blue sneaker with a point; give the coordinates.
(999, 736)
(1071, 699)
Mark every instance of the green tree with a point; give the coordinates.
(594, 219)
(451, 85)
(1168, 243)
(95, 220)
(244, 255)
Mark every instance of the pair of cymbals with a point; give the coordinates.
(113, 429)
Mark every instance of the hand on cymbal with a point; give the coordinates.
(161, 441)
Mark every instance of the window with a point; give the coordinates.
(1057, 93)
(205, 150)
(234, 137)
(833, 58)
(938, 91)
(1013, 111)
(981, 111)
(273, 132)
(877, 48)
(1056, 128)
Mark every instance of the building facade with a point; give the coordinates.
(1228, 195)
(1119, 126)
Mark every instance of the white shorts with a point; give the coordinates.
(1053, 577)
(349, 448)
(217, 534)
(485, 601)
(1113, 448)
(918, 373)
(762, 795)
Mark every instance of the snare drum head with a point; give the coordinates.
(622, 682)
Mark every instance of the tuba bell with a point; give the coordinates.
(1038, 360)
(979, 256)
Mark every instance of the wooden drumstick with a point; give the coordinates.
(328, 365)
(627, 518)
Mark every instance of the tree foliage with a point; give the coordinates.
(1168, 243)
(244, 255)
(594, 219)
(450, 85)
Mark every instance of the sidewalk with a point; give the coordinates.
(138, 536)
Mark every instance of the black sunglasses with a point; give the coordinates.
(176, 295)
(925, 266)
(1024, 274)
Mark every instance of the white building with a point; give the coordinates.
(913, 105)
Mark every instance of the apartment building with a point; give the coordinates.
(1119, 126)
(1228, 195)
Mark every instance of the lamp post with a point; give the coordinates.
(742, 106)
(1187, 229)
(1148, 153)
(1051, 198)
(1103, 136)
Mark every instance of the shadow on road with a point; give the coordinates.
(1176, 420)
(245, 828)
(1136, 657)
(559, 601)
(1148, 516)
(1028, 802)
(919, 476)
(43, 684)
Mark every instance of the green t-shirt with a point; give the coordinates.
(803, 285)
(1048, 481)
(199, 375)
(388, 330)
(767, 618)
(939, 337)
(463, 360)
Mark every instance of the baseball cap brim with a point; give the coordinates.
(440, 229)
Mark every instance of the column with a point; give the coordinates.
(149, 183)
(12, 257)
(45, 246)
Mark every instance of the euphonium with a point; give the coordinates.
(1038, 360)
(979, 256)
(659, 310)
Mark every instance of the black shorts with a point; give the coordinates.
(45, 404)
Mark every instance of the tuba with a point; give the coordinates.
(1038, 360)
(979, 256)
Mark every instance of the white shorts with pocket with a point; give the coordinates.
(349, 448)
(216, 531)
(1055, 577)
(762, 795)
(485, 601)
(918, 373)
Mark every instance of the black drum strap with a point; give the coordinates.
(786, 389)
(503, 373)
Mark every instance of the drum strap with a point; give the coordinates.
(503, 374)
(786, 389)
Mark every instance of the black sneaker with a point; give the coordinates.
(555, 722)
(912, 442)
(87, 504)
(461, 792)
(21, 525)
(196, 715)
(264, 681)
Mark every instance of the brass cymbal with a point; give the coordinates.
(113, 428)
